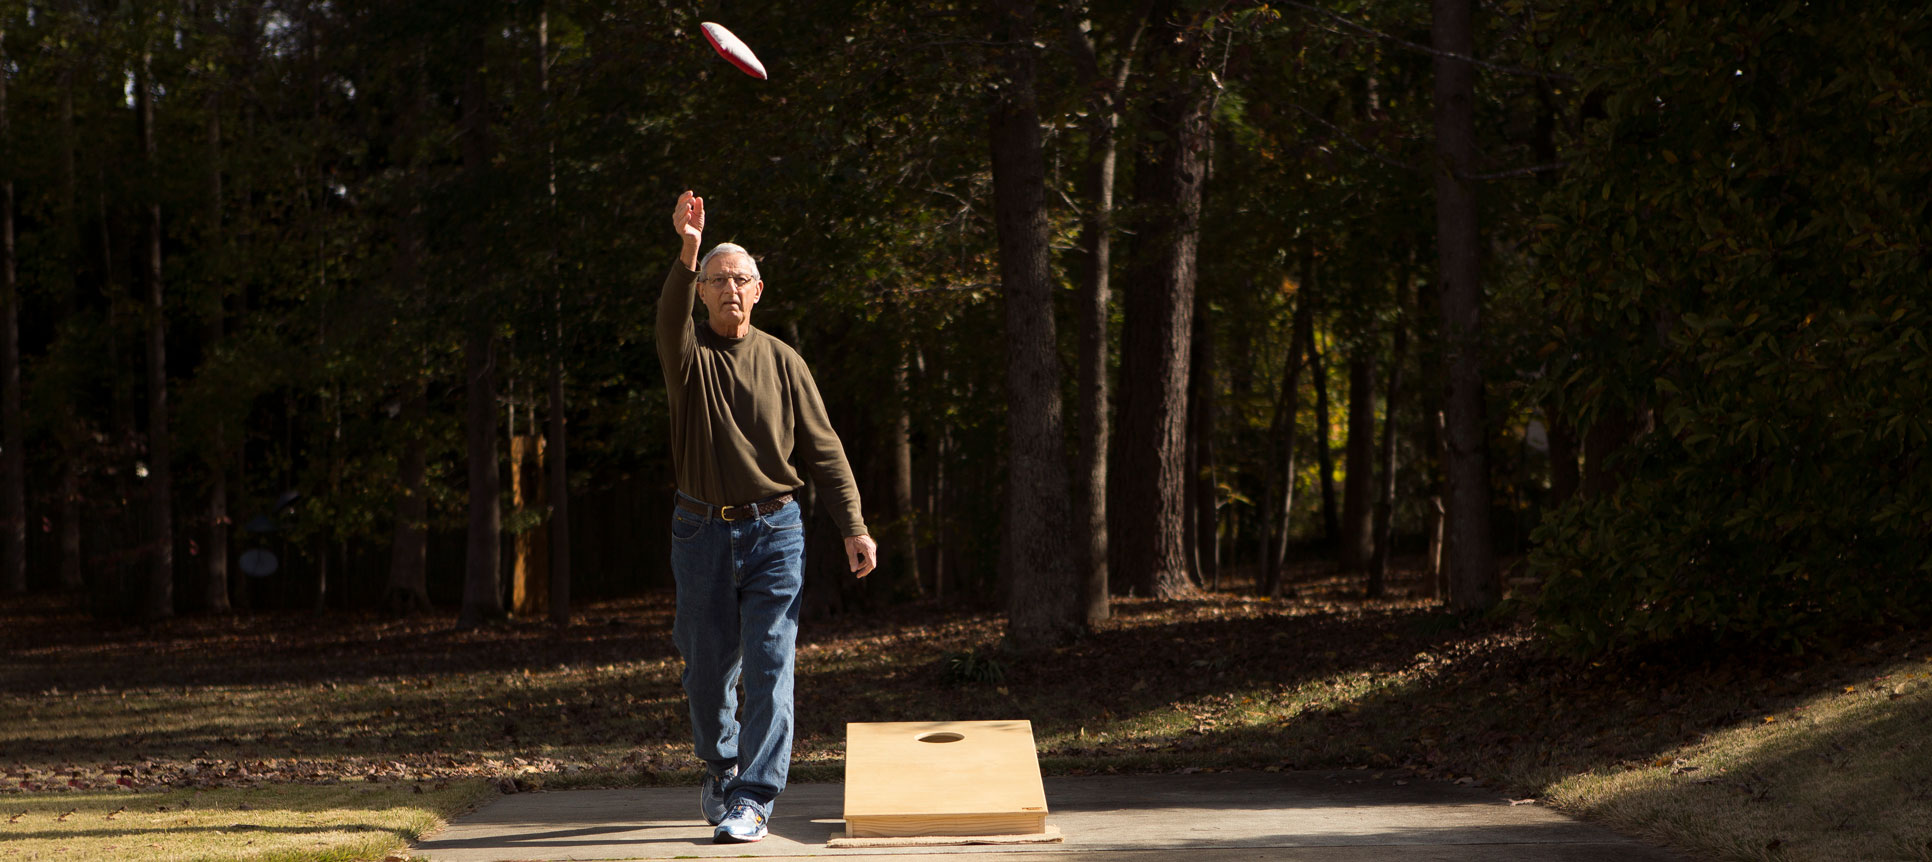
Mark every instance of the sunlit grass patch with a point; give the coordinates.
(1843, 775)
(278, 821)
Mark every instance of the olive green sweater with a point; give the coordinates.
(740, 409)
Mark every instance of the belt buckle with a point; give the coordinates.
(724, 512)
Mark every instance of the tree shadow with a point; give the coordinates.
(46, 647)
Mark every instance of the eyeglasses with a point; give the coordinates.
(734, 281)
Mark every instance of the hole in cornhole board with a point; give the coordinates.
(942, 778)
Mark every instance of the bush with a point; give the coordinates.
(1740, 250)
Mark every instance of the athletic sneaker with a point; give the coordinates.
(744, 824)
(711, 795)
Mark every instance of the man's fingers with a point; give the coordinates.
(861, 554)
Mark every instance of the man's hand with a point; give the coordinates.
(687, 218)
(862, 554)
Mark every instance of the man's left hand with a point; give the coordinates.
(862, 554)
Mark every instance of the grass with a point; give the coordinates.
(335, 721)
(276, 822)
(1840, 775)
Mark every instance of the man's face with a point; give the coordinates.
(730, 290)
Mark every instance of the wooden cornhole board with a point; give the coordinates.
(943, 778)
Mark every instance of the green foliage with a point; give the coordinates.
(1739, 251)
(973, 667)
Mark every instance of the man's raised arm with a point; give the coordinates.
(687, 218)
(675, 331)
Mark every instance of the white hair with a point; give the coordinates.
(730, 248)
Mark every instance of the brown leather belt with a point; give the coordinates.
(735, 513)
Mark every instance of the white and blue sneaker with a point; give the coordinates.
(711, 795)
(743, 824)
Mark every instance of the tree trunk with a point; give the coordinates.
(13, 460)
(71, 579)
(1286, 425)
(558, 477)
(941, 505)
(1564, 477)
(530, 566)
(71, 430)
(1042, 599)
(1150, 500)
(558, 480)
(1206, 491)
(1385, 507)
(1105, 95)
(408, 588)
(902, 507)
(159, 603)
(1324, 452)
(215, 587)
(116, 533)
(321, 573)
(482, 582)
(1472, 562)
(215, 590)
(1358, 482)
(1431, 386)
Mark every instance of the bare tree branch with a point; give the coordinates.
(1362, 28)
(1378, 155)
(1530, 171)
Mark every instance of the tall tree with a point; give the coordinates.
(482, 582)
(1150, 500)
(1324, 449)
(1385, 504)
(1106, 89)
(1563, 442)
(159, 601)
(215, 583)
(408, 587)
(13, 461)
(1472, 562)
(558, 477)
(1358, 478)
(1281, 434)
(901, 454)
(1203, 490)
(69, 426)
(1042, 608)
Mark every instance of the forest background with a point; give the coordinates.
(1140, 298)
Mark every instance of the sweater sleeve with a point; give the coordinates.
(676, 333)
(822, 455)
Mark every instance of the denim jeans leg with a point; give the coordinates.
(706, 633)
(770, 553)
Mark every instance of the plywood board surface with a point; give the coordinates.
(942, 778)
(1050, 836)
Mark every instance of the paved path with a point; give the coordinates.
(1317, 816)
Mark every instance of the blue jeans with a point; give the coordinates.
(739, 584)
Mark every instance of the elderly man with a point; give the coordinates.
(743, 404)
